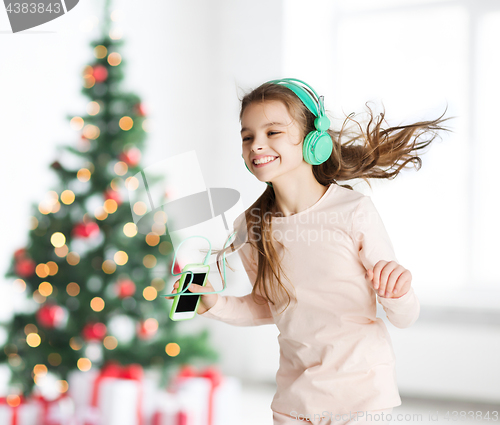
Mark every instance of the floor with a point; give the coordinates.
(257, 397)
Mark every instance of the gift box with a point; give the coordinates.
(115, 395)
(172, 410)
(193, 396)
(22, 412)
(207, 397)
(119, 401)
(227, 402)
(59, 411)
(81, 386)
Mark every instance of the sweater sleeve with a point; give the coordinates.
(242, 311)
(374, 244)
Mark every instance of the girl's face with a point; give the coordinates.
(268, 130)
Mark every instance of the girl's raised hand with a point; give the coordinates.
(206, 301)
(389, 279)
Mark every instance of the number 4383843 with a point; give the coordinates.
(477, 415)
(33, 8)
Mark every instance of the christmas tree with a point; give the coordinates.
(90, 276)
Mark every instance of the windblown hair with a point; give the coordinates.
(382, 154)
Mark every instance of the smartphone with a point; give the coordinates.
(185, 306)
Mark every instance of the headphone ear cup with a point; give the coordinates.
(306, 148)
(317, 147)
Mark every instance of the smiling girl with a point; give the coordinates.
(336, 355)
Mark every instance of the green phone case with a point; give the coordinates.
(181, 286)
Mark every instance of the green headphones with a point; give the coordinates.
(318, 144)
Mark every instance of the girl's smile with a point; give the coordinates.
(265, 161)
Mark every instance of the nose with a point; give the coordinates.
(257, 144)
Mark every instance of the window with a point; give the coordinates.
(415, 58)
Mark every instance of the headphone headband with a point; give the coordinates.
(314, 104)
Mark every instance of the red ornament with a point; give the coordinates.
(86, 230)
(146, 329)
(139, 109)
(100, 73)
(25, 267)
(50, 316)
(94, 331)
(125, 288)
(114, 195)
(20, 253)
(131, 157)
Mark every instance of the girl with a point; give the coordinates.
(336, 356)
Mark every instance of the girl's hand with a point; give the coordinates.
(206, 301)
(389, 279)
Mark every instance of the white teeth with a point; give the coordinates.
(264, 160)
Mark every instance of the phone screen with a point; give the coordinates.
(188, 303)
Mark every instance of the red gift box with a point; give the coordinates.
(18, 411)
(173, 410)
(114, 395)
(211, 374)
(59, 411)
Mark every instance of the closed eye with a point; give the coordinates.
(271, 133)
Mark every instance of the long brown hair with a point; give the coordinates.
(382, 154)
